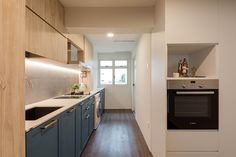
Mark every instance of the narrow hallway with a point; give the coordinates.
(118, 135)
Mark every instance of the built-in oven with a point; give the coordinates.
(193, 104)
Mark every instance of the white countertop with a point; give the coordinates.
(64, 103)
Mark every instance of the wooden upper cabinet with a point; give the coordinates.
(28, 3)
(59, 17)
(51, 11)
(77, 39)
(44, 40)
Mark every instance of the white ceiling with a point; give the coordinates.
(108, 3)
(119, 43)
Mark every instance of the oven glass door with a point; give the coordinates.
(192, 109)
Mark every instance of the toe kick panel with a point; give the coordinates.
(192, 154)
(192, 141)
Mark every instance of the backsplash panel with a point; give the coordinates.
(43, 82)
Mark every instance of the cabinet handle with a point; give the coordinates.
(72, 110)
(87, 108)
(88, 116)
(50, 124)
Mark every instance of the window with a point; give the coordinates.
(106, 76)
(113, 72)
(120, 63)
(121, 76)
(106, 63)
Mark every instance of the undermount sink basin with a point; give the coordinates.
(38, 112)
(70, 97)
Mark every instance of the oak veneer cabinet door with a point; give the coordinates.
(38, 6)
(78, 40)
(12, 104)
(44, 40)
(60, 17)
(50, 11)
(28, 3)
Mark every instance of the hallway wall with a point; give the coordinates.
(143, 87)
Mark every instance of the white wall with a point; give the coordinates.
(192, 21)
(95, 69)
(143, 86)
(89, 61)
(117, 96)
(227, 78)
(158, 83)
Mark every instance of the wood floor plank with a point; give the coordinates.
(118, 135)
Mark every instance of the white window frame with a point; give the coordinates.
(113, 67)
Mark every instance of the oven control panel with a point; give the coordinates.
(193, 84)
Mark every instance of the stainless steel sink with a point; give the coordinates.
(38, 112)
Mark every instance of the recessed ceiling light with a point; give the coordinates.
(110, 35)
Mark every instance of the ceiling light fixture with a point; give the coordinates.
(110, 35)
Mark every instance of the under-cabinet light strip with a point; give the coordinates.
(51, 66)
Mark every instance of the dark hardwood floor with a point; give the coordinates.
(118, 135)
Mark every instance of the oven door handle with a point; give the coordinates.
(195, 93)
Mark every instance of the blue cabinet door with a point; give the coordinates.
(102, 96)
(85, 128)
(91, 118)
(43, 141)
(67, 128)
(78, 130)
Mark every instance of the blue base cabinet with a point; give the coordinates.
(87, 120)
(78, 130)
(43, 141)
(91, 117)
(85, 132)
(102, 96)
(67, 133)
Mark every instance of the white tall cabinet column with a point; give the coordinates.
(227, 78)
(158, 83)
